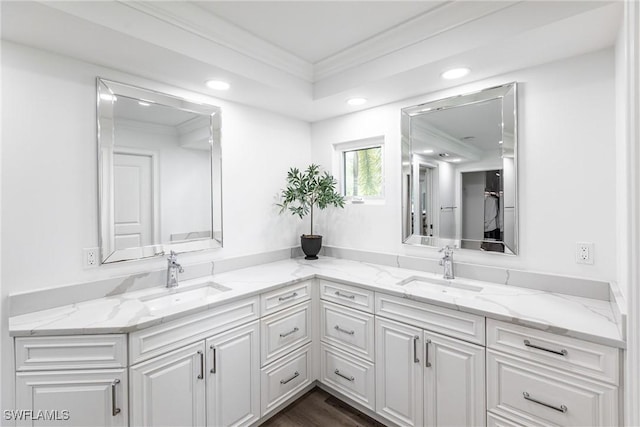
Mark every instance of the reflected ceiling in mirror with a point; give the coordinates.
(459, 177)
(159, 173)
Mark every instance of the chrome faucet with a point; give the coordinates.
(173, 268)
(447, 262)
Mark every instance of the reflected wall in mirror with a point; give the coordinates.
(459, 159)
(159, 173)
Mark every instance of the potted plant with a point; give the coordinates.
(306, 190)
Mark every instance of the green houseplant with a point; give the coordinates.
(304, 191)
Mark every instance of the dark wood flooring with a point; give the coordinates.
(317, 408)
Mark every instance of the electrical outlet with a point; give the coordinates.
(584, 253)
(90, 257)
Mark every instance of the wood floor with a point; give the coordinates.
(317, 408)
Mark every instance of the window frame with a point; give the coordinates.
(340, 150)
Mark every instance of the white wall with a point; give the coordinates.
(566, 170)
(49, 175)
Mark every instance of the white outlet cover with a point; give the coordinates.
(584, 253)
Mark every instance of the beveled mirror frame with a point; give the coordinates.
(507, 93)
(107, 91)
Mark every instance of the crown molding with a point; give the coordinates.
(193, 19)
(440, 19)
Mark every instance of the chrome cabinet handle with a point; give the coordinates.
(114, 407)
(415, 349)
(201, 354)
(562, 352)
(340, 294)
(339, 329)
(295, 375)
(427, 363)
(348, 378)
(213, 366)
(293, 295)
(293, 331)
(561, 408)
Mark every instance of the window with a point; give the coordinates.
(361, 164)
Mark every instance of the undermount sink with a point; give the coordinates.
(451, 287)
(180, 296)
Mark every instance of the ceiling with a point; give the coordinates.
(304, 59)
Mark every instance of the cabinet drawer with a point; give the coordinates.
(350, 330)
(284, 378)
(349, 375)
(456, 324)
(582, 357)
(281, 298)
(543, 396)
(348, 295)
(71, 352)
(284, 331)
(495, 421)
(160, 339)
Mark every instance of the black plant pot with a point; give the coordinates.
(311, 245)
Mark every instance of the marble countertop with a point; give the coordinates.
(589, 319)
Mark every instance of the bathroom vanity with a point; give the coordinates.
(403, 346)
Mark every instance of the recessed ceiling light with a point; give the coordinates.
(356, 101)
(144, 104)
(456, 160)
(427, 151)
(455, 73)
(218, 85)
(499, 142)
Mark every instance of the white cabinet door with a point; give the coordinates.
(454, 382)
(169, 390)
(399, 372)
(73, 398)
(233, 377)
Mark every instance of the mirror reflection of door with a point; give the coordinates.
(133, 200)
(483, 210)
(426, 214)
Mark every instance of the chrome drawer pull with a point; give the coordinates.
(286, 334)
(415, 349)
(427, 363)
(561, 408)
(338, 293)
(339, 329)
(293, 295)
(295, 375)
(350, 378)
(201, 354)
(562, 352)
(114, 408)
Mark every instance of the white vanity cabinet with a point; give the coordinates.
(424, 378)
(73, 380)
(538, 378)
(213, 381)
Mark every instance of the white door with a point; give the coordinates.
(233, 377)
(133, 200)
(399, 372)
(454, 382)
(73, 398)
(169, 390)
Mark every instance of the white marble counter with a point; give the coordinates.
(584, 318)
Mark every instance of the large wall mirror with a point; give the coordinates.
(159, 173)
(459, 164)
